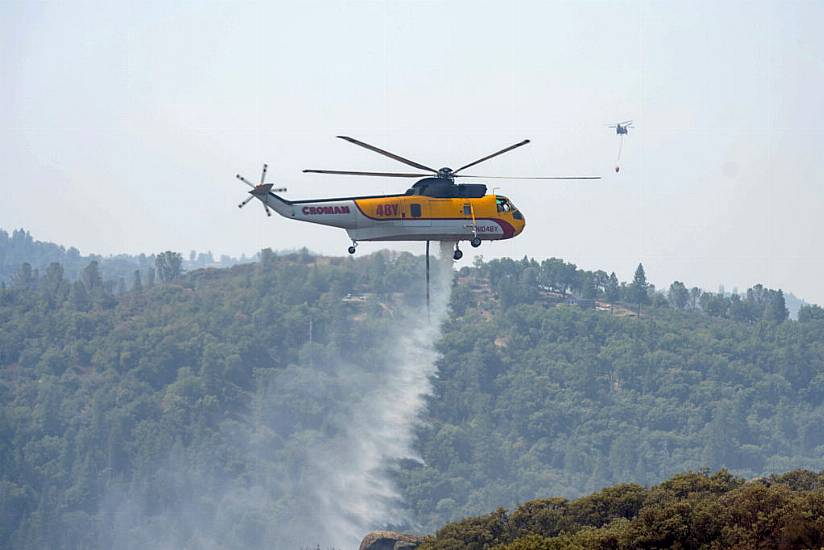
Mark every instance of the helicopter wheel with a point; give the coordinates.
(476, 242)
(458, 254)
(351, 249)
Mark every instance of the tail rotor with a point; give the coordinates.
(260, 190)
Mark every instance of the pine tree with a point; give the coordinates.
(638, 290)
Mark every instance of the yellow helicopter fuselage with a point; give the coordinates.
(408, 217)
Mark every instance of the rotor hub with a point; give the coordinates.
(445, 173)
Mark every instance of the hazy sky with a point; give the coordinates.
(124, 124)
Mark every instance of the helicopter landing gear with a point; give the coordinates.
(457, 255)
(352, 248)
(476, 242)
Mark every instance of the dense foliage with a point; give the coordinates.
(537, 397)
(691, 510)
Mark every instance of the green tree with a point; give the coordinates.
(638, 289)
(547, 274)
(91, 278)
(739, 309)
(612, 292)
(169, 266)
(601, 279)
(775, 309)
(715, 305)
(267, 257)
(53, 284)
(568, 276)
(679, 296)
(586, 285)
(695, 295)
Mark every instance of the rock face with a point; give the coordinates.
(389, 540)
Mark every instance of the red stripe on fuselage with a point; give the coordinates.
(509, 230)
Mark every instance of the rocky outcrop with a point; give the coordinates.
(389, 540)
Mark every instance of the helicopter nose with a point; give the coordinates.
(518, 225)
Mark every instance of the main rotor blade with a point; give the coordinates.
(263, 174)
(501, 152)
(532, 178)
(384, 174)
(388, 154)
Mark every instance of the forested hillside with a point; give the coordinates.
(194, 402)
(535, 397)
(19, 247)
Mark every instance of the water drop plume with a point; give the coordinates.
(274, 483)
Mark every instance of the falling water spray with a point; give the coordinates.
(337, 484)
(357, 494)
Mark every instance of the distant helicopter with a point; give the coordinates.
(435, 208)
(621, 129)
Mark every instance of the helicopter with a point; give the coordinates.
(435, 208)
(622, 128)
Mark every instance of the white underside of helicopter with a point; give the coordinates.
(346, 215)
(425, 230)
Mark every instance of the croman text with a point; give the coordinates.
(325, 209)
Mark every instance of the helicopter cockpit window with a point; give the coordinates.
(503, 204)
(415, 210)
(515, 212)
